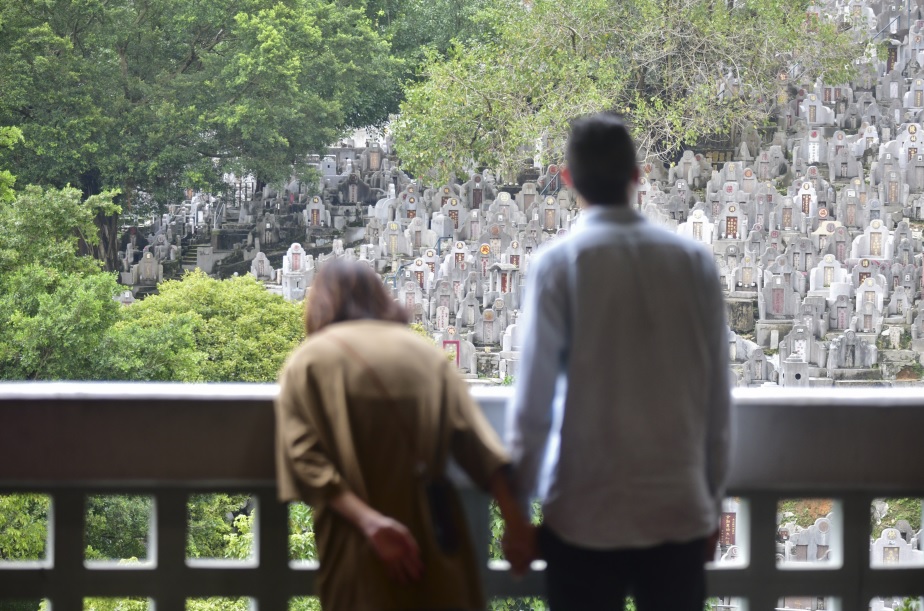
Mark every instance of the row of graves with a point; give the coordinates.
(454, 256)
(814, 228)
(817, 233)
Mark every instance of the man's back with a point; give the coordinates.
(632, 315)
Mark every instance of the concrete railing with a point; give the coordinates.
(169, 441)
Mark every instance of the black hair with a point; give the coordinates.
(601, 158)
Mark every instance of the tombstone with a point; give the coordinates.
(869, 304)
(815, 112)
(758, 370)
(874, 243)
(316, 213)
(802, 344)
(421, 274)
(393, 243)
(840, 312)
(443, 297)
(778, 300)
(418, 237)
(788, 216)
(825, 275)
(354, 190)
(261, 269)
(461, 351)
(892, 549)
(746, 277)
(813, 149)
(411, 295)
(468, 311)
(149, 271)
(698, 227)
(297, 273)
(527, 196)
(504, 284)
(914, 98)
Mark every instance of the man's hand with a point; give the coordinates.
(520, 546)
(395, 546)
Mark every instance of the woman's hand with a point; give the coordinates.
(392, 542)
(395, 546)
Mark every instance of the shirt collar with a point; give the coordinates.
(621, 213)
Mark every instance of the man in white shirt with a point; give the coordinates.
(624, 365)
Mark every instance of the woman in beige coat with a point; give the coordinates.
(367, 414)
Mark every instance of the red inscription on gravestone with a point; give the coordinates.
(727, 536)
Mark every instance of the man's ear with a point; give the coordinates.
(566, 176)
(636, 175)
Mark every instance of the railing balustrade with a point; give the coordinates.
(166, 441)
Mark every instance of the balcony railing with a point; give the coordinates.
(168, 441)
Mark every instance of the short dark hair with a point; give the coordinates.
(601, 158)
(348, 290)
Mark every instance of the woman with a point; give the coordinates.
(367, 415)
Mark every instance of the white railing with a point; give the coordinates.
(167, 441)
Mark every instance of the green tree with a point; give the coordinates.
(230, 330)
(680, 70)
(55, 305)
(9, 136)
(149, 97)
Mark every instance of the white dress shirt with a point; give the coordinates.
(623, 375)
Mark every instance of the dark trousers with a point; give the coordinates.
(667, 577)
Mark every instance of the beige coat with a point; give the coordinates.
(336, 431)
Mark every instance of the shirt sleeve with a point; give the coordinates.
(305, 470)
(473, 443)
(719, 425)
(545, 331)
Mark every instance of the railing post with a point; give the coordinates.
(762, 562)
(271, 546)
(856, 533)
(169, 549)
(65, 547)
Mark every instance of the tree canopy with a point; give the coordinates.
(202, 329)
(155, 96)
(680, 70)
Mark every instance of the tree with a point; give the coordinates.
(680, 70)
(55, 305)
(230, 330)
(150, 97)
(9, 136)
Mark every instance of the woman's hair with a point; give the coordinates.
(346, 290)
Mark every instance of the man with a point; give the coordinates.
(624, 365)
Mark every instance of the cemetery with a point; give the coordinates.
(815, 221)
(815, 224)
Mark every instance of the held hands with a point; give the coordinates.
(520, 545)
(395, 546)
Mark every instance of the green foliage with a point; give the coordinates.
(9, 136)
(117, 527)
(115, 604)
(151, 97)
(213, 527)
(52, 323)
(160, 94)
(230, 330)
(680, 70)
(23, 526)
(899, 509)
(302, 543)
(48, 226)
